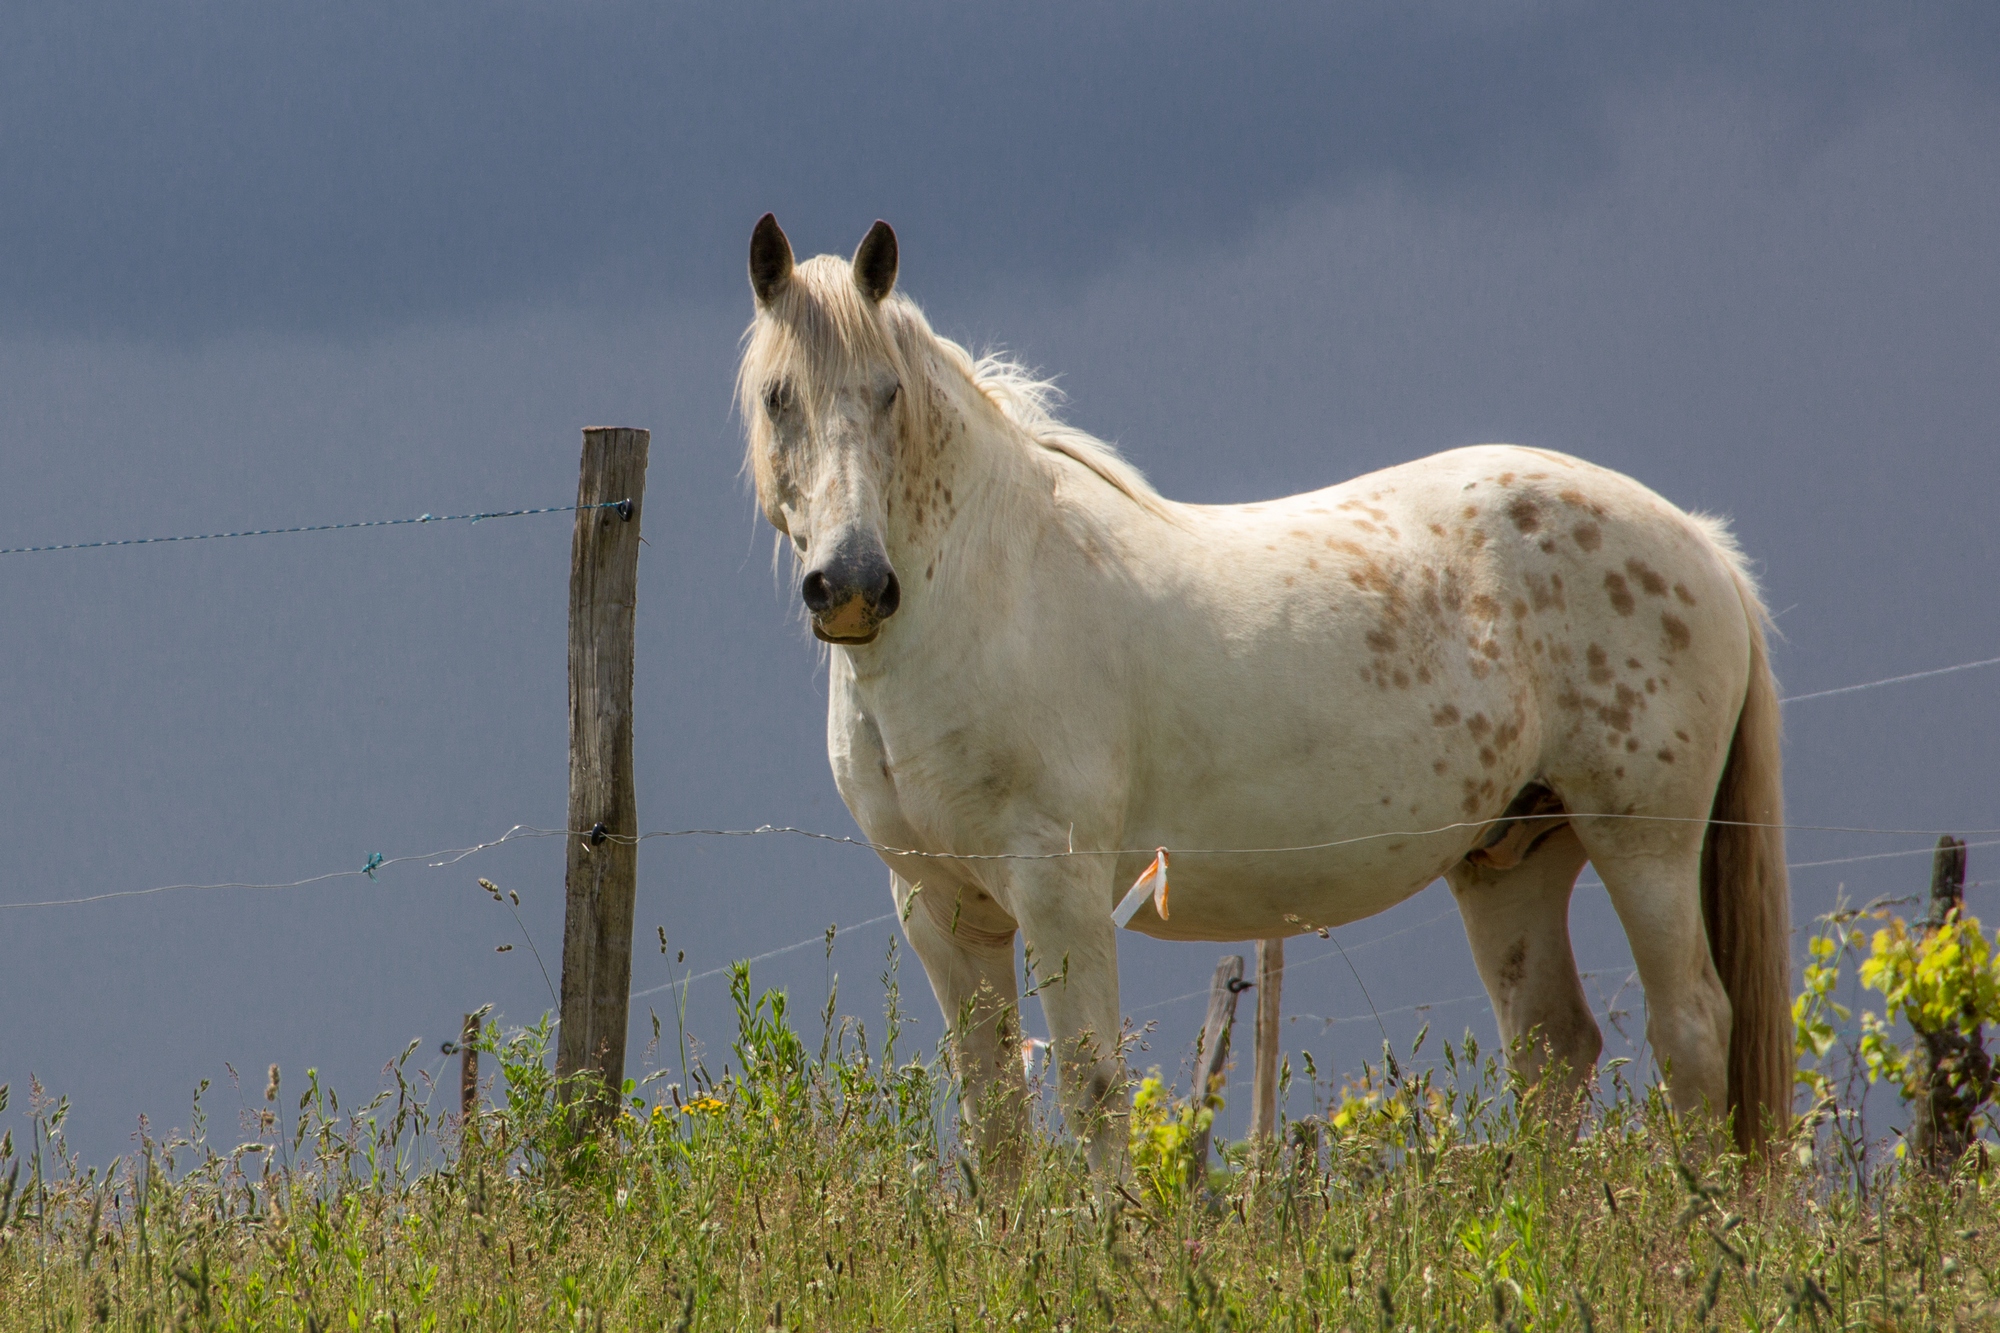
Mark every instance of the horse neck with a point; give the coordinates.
(969, 479)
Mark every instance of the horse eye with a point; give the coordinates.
(895, 391)
(777, 398)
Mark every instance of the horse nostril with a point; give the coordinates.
(891, 597)
(818, 595)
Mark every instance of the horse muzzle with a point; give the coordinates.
(850, 596)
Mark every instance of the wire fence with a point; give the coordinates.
(622, 506)
(445, 857)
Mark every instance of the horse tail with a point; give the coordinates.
(1746, 898)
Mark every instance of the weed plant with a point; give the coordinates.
(802, 1189)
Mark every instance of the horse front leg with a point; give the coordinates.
(1065, 913)
(971, 969)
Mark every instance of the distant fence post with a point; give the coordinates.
(1264, 1087)
(603, 854)
(1958, 1073)
(468, 1070)
(1211, 1061)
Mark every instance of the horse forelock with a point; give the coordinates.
(821, 328)
(814, 334)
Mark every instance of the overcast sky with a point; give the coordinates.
(264, 265)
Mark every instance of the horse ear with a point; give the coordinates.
(770, 259)
(875, 261)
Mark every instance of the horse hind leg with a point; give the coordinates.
(1653, 873)
(971, 971)
(1517, 921)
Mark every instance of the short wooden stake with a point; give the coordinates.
(1211, 1061)
(468, 1070)
(603, 851)
(1264, 1086)
(1958, 1071)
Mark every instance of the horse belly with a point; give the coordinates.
(1371, 792)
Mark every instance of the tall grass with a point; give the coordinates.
(815, 1183)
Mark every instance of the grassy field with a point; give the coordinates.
(813, 1185)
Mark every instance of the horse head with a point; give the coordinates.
(822, 392)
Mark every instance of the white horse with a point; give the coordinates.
(1489, 665)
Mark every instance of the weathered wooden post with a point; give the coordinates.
(603, 851)
(1211, 1061)
(1264, 1086)
(1958, 1073)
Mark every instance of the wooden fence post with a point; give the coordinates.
(1264, 1087)
(603, 852)
(468, 1070)
(1211, 1060)
(1958, 1073)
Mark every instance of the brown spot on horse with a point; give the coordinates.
(1621, 596)
(1647, 578)
(1600, 665)
(1525, 513)
(1676, 630)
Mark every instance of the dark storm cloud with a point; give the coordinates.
(179, 170)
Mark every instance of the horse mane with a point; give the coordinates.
(1028, 402)
(821, 325)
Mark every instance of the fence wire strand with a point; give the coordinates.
(313, 527)
(453, 855)
(1891, 680)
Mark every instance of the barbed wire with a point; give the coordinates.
(376, 861)
(824, 937)
(890, 850)
(1890, 680)
(453, 855)
(624, 507)
(1290, 967)
(1424, 1006)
